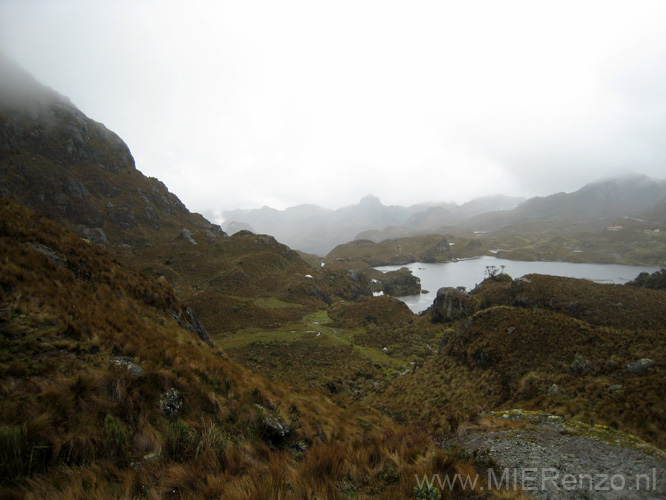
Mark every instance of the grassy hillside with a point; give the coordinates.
(344, 351)
(142, 224)
(106, 393)
(515, 340)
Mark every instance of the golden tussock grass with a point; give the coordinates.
(74, 424)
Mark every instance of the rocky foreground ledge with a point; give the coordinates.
(552, 458)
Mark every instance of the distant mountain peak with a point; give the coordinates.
(370, 200)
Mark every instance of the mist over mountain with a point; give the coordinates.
(603, 201)
(318, 230)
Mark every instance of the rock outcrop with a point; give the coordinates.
(452, 304)
(641, 365)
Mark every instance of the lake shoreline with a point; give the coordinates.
(469, 272)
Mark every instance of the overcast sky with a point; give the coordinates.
(240, 104)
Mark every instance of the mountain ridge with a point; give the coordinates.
(620, 220)
(315, 229)
(72, 169)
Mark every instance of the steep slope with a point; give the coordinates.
(59, 162)
(109, 390)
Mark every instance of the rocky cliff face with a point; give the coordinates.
(35, 118)
(56, 160)
(451, 304)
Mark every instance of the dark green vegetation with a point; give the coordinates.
(656, 280)
(345, 351)
(399, 283)
(364, 255)
(636, 243)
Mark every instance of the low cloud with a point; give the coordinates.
(237, 105)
